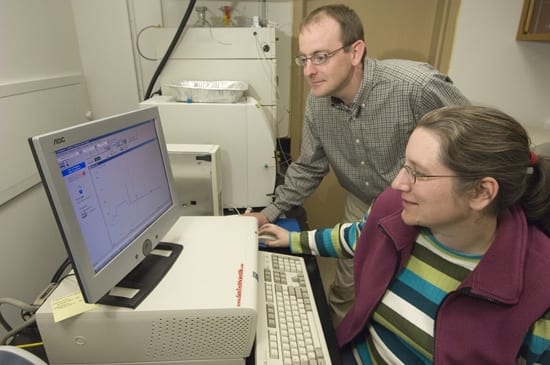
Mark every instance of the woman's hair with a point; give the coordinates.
(479, 142)
(350, 23)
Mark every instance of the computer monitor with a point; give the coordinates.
(110, 187)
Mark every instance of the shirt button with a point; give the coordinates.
(357, 141)
(362, 162)
(366, 183)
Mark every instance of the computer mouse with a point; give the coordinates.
(263, 238)
(266, 237)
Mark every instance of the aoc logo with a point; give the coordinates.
(59, 140)
(239, 289)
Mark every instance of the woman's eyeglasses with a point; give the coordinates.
(414, 175)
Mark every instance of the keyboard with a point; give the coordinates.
(289, 329)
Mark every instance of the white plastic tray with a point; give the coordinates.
(196, 91)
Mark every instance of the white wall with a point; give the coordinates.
(106, 48)
(109, 31)
(39, 60)
(494, 69)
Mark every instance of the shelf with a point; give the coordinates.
(534, 24)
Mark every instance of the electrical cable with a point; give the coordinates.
(138, 36)
(16, 303)
(56, 277)
(12, 331)
(4, 323)
(30, 345)
(28, 310)
(16, 330)
(170, 49)
(260, 51)
(66, 276)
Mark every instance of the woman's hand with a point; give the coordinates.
(279, 236)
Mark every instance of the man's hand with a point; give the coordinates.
(262, 219)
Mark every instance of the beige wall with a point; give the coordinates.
(492, 68)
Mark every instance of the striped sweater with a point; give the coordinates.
(401, 328)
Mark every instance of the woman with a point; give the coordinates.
(451, 263)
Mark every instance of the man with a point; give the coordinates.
(359, 115)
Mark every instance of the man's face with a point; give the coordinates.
(333, 77)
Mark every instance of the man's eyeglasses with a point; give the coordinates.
(414, 175)
(317, 58)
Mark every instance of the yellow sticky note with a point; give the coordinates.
(69, 306)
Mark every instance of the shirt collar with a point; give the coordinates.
(360, 96)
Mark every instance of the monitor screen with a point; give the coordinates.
(110, 187)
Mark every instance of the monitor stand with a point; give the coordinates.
(135, 287)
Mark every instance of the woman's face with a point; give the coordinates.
(431, 202)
